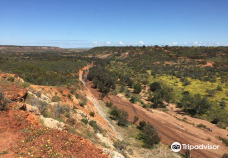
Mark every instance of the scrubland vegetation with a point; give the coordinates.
(52, 69)
(194, 78)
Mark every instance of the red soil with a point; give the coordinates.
(22, 135)
(172, 129)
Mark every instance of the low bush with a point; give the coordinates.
(135, 119)
(224, 140)
(25, 84)
(11, 79)
(120, 146)
(85, 121)
(141, 125)
(109, 104)
(120, 115)
(201, 126)
(55, 98)
(92, 114)
(96, 128)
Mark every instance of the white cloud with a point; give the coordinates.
(141, 42)
(174, 43)
(95, 42)
(198, 43)
(217, 43)
(185, 43)
(121, 43)
(108, 42)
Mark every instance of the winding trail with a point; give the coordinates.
(94, 100)
(171, 126)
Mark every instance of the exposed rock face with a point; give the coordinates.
(22, 132)
(54, 124)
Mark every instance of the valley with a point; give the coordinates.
(120, 102)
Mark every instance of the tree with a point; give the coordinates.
(155, 86)
(151, 136)
(142, 125)
(164, 93)
(198, 104)
(122, 120)
(120, 115)
(137, 88)
(115, 113)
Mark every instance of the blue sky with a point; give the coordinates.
(89, 23)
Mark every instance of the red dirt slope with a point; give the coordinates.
(22, 135)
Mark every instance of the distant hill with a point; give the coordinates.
(19, 49)
(36, 49)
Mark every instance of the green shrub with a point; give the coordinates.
(69, 96)
(72, 91)
(123, 118)
(186, 82)
(77, 95)
(85, 121)
(219, 88)
(120, 146)
(135, 119)
(109, 104)
(142, 125)
(82, 103)
(67, 114)
(133, 99)
(96, 128)
(150, 136)
(115, 113)
(4, 152)
(70, 129)
(92, 114)
(224, 140)
(25, 84)
(11, 79)
(201, 126)
(155, 86)
(55, 98)
(137, 88)
(60, 110)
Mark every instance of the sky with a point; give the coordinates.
(90, 23)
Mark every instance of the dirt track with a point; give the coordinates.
(171, 126)
(172, 129)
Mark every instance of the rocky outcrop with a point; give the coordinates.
(52, 123)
